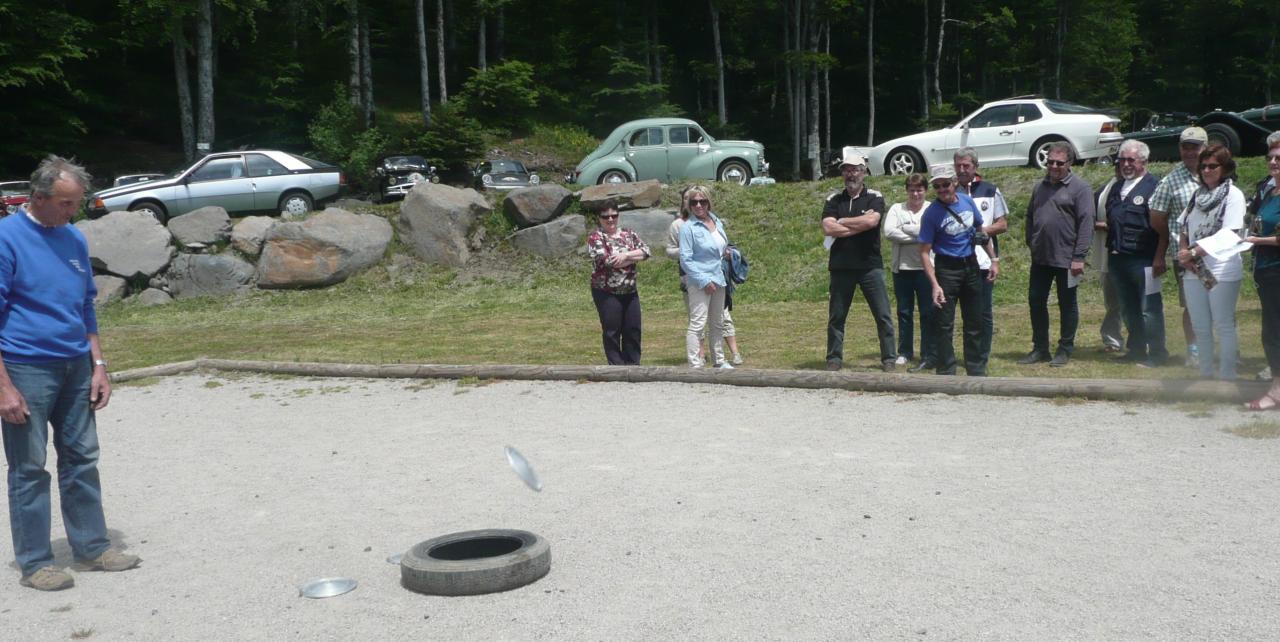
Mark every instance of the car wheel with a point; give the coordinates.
(1220, 134)
(1040, 152)
(904, 161)
(614, 176)
(736, 172)
(475, 562)
(295, 205)
(153, 208)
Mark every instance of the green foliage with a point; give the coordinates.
(502, 96)
(454, 139)
(562, 141)
(626, 92)
(338, 137)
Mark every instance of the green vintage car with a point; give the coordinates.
(1244, 132)
(670, 150)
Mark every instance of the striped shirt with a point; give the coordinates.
(1171, 197)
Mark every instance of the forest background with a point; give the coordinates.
(155, 82)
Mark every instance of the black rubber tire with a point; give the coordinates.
(609, 175)
(528, 559)
(292, 201)
(730, 168)
(1039, 151)
(1220, 134)
(153, 208)
(902, 161)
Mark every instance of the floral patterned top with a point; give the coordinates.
(611, 279)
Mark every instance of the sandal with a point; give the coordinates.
(1265, 402)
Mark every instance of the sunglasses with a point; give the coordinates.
(694, 202)
(1210, 166)
(608, 216)
(1055, 163)
(1126, 159)
(941, 184)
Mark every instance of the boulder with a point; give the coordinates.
(110, 288)
(322, 250)
(531, 206)
(650, 225)
(436, 220)
(152, 296)
(557, 238)
(248, 234)
(629, 195)
(202, 227)
(132, 245)
(192, 275)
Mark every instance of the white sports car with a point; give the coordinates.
(1016, 131)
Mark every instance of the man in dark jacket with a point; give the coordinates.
(1059, 230)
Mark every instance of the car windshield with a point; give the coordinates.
(507, 167)
(1064, 107)
(20, 188)
(405, 162)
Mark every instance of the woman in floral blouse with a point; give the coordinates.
(615, 253)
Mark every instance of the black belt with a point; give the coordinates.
(954, 261)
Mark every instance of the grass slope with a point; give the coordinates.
(507, 307)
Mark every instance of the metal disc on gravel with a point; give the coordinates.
(523, 469)
(395, 559)
(327, 587)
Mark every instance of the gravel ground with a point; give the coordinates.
(673, 512)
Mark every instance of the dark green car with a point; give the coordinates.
(1244, 133)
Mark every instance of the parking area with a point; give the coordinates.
(689, 511)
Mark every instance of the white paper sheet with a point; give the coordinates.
(1223, 245)
(1073, 279)
(827, 242)
(1154, 284)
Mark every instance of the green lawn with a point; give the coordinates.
(506, 307)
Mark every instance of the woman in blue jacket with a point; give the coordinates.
(703, 244)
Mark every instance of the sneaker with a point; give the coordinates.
(725, 365)
(1193, 356)
(1035, 356)
(834, 365)
(112, 561)
(922, 366)
(737, 358)
(48, 578)
(901, 360)
(1265, 374)
(1060, 359)
(888, 365)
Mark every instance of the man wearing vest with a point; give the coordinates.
(1131, 244)
(851, 217)
(992, 206)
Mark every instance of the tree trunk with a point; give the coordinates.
(1061, 37)
(366, 71)
(353, 53)
(204, 77)
(657, 52)
(871, 67)
(482, 60)
(500, 34)
(715, 39)
(826, 88)
(186, 115)
(444, 89)
(937, 59)
(924, 66)
(815, 163)
(424, 64)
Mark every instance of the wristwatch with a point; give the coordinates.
(99, 362)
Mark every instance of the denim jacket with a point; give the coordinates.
(698, 255)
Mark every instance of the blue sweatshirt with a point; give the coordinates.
(46, 291)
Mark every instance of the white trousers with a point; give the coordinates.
(706, 311)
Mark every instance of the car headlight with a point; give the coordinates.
(486, 179)
(534, 180)
(391, 180)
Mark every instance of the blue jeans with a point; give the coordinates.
(57, 394)
(1214, 311)
(912, 290)
(1143, 313)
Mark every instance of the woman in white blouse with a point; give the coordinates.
(1212, 286)
(910, 285)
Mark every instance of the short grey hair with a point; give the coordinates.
(1273, 139)
(966, 152)
(55, 168)
(1062, 147)
(1140, 148)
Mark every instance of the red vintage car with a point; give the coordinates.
(14, 194)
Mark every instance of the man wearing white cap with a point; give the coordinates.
(852, 218)
(951, 229)
(1167, 202)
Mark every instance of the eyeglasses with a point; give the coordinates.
(1274, 157)
(942, 184)
(1126, 159)
(608, 216)
(1055, 163)
(694, 202)
(1210, 166)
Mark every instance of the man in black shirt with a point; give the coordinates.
(851, 218)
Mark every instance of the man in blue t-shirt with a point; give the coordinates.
(52, 373)
(947, 230)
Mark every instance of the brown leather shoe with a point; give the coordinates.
(112, 560)
(48, 578)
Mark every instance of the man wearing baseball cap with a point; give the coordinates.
(948, 229)
(852, 218)
(1167, 202)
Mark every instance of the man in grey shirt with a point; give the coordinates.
(1059, 231)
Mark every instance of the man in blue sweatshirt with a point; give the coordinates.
(52, 373)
